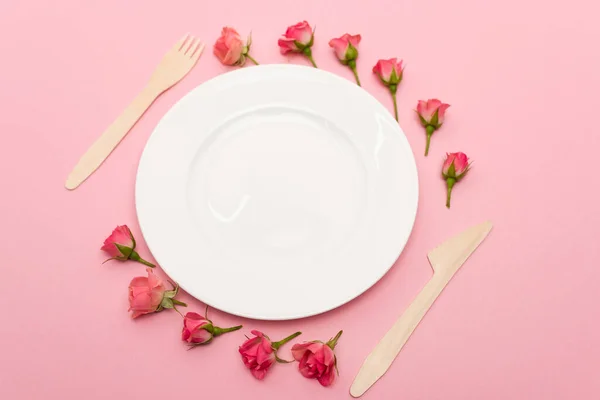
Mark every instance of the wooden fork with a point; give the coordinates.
(178, 61)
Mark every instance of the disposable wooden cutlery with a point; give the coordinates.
(178, 61)
(445, 260)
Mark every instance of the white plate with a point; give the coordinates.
(277, 192)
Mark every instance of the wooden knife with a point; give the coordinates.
(445, 260)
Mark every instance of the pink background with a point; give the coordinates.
(519, 321)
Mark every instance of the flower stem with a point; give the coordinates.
(333, 342)
(429, 129)
(277, 345)
(146, 263)
(353, 68)
(450, 184)
(136, 257)
(219, 331)
(312, 60)
(252, 59)
(395, 105)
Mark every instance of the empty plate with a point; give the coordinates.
(277, 192)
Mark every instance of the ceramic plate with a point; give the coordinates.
(277, 192)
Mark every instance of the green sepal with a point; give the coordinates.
(171, 293)
(209, 328)
(193, 345)
(281, 360)
(166, 302)
(242, 60)
(312, 38)
(125, 251)
(132, 240)
(451, 171)
(434, 120)
(248, 43)
(351, 53)
(300, 46)
(333, 341)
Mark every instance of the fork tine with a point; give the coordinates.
(191, 46)
(195, 55)
(181, 42)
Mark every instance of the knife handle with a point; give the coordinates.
(380, 359)
(111, 137)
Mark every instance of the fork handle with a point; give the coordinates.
(111, 137)
(381, 358)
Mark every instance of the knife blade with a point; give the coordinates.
(445, 260)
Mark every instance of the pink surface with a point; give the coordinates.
(519, 321)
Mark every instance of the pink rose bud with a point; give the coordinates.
(431, 114)
(390, 73)
(148, 295)
(345, 49)
(230, 48)
(198, 330)
(454, 169)
(317, 360)
(120, 245)
(298, 38)
(259, 353)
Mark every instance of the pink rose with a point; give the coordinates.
(346, 51)
(298, 38)
(193, 329)
(120, 245)
(230, 48)
(259, 353)
(145, 294)
(345, 47)
(198, 330)
(390, 73)
(317, 360)
(300, 35)
(148, 295)
(431, 114)
(454, 169)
